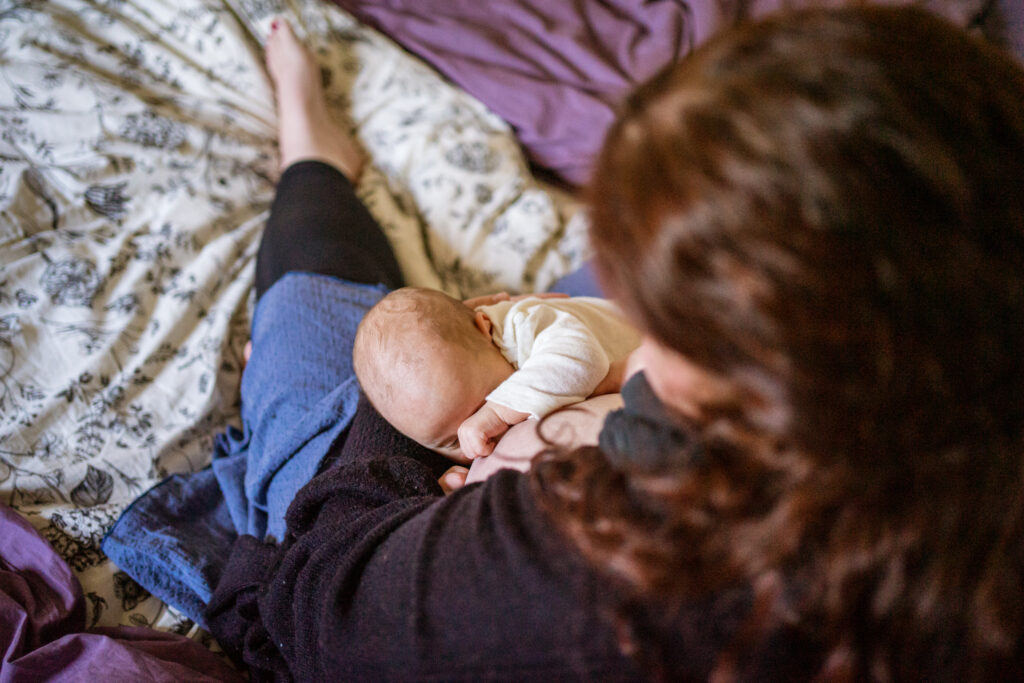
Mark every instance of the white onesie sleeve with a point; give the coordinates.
(560, 361)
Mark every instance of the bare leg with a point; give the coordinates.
(305, 128)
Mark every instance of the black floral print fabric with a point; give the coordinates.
(137, 164)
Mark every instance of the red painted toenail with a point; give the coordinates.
(273, 24)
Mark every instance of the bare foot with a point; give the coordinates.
(305, 129)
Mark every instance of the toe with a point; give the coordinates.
(285, 29)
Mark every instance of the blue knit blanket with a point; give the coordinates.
(299, 394)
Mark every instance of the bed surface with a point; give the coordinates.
(137, 166)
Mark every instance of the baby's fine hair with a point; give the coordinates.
(391, 339)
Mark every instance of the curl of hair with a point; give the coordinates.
(825, 209)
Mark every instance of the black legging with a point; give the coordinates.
(318, 225)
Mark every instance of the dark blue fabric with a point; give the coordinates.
(580, 282)
(299, 394)
(172, 539)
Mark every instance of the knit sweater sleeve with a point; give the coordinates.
(381, 576)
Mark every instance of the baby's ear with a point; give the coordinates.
(483, 323)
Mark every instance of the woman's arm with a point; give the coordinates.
(381, 576)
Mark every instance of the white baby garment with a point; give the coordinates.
(561, 349)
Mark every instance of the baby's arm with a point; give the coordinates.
(618, 373)
(565, 363)
(481, 430)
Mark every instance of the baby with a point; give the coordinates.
(455, 378)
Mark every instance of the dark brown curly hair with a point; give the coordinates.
(825, 210)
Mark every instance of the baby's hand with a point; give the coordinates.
(481, 430)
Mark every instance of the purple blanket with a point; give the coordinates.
(553, 70)
(556, 69)
(42, 626)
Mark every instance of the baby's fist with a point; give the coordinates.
(480, 432)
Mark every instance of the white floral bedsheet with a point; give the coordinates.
(137, 167)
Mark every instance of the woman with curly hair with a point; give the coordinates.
(817, 221)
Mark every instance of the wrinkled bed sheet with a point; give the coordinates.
(553, 70)
(556, 71)
(137, 166)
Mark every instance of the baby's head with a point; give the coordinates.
(426, 361)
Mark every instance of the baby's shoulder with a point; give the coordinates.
(568, 304)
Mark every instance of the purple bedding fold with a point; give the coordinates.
(42, 625)
(553, 70)
(556, 69)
